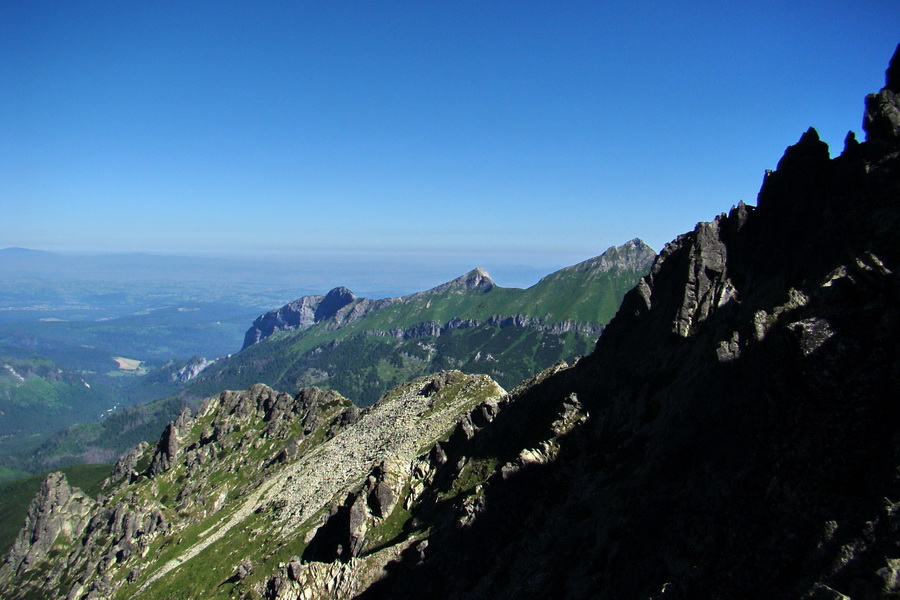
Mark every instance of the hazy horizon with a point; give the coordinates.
(373, 275)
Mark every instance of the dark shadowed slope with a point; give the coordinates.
(742, 439)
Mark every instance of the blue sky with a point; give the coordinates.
(498, 133)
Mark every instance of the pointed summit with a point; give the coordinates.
(476, 279)
(633, 255)
(882, 118)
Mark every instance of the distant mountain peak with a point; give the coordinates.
(333, 301)
(17, 249)
(633, 255)
(340, 291)
(476, 278)
(299, 314)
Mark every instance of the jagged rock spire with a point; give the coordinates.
(892, 75)
(882, 118)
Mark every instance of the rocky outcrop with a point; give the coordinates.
(477, 279)
(433, 329)
(254, 470)
(166, 451)
(91, 535)
(359, 309)
(882, 117)
(58, 511)
(299, 314)
(168, 447)
(333, 301)
(374, 525)
(634, 255)
(189, 371)
(539, 324)
(126, 466)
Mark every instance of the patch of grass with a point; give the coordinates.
(474, 473)
(7, 474)
(392, 529)
(207, 574)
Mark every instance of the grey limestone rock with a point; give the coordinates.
(194, 367)
(126, 465)
(57, 510)
(166, 451)
(333, 301)
(299, 314)
(295, 315)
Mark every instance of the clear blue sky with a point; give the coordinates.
(525, 132)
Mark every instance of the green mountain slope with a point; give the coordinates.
(37, 397)
(52, 416)
(254, 479)
(366, 346)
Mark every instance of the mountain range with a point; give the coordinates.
(732, 435)
(363, 347)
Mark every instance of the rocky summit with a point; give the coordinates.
(732, 435)
(299, 314)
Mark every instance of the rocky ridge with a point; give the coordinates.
(299, 314)
(632, 255)
(285, 470)
(434, 329)
(341, 307)
(189, 371)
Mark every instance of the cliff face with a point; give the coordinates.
(299, 314)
